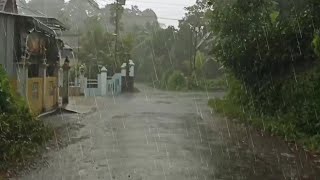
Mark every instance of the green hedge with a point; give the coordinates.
(207, 84)
(21, 134)
(291, 108)
(177, 81)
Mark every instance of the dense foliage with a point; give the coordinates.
(260, 47)
(155, 48)
(98, 48)
(186, 49)
(272, 49)
(21, 134)
(176, 81)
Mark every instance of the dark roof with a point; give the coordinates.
(47, 24)
(2, 4)
(53, 23)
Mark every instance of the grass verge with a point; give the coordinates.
(278, 126)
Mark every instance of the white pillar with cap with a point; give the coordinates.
(103, 83)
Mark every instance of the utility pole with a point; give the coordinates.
(127, 73)
(117, 36)
(195, 49)
(195, 31)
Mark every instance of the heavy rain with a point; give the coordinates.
(159, 90)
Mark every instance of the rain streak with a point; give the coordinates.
(159, 90)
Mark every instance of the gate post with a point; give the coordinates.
(22, 76)
(103, 81)
(123, 77)
(65, 88)
(82, 81)
(131, 76)
(43, 73)
(57, 87)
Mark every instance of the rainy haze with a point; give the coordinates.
(160, 90)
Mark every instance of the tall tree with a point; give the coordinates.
(77, 12)
(96, 46)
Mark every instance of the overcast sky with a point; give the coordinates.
(168, 11)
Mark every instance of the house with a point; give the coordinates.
(30, 53)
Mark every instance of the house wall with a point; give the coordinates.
(7, 45)
(14, 84)
(42, 96)
(35, 95)
(50, 94)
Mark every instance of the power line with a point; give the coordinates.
(166, 18)
(138, 1)
(170, 4)
(90, 2)
(40, 13)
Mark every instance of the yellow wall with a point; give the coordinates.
(14, 85)
(35, 95)
(42, 98)
(51, 93)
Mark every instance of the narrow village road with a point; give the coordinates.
(158, 135)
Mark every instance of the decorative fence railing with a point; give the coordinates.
(102, 86)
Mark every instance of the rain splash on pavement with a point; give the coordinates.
(158, 135)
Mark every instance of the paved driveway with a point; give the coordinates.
(157, 135)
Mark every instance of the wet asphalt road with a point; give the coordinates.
(157, 135)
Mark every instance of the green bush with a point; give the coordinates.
(6, 100)
(275, 65)
(290, 109)
(316, 45)
(206, 84)
(177, 81)
(21, 134)
(194, 82)
(164, 79)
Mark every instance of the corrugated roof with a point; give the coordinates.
(50, 22)
(46, 24)
(2, 4)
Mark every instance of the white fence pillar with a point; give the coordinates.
(82, 83)
(103, 83)
(131, 68)
(123, 69)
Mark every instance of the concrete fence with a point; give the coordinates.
(102, 86)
